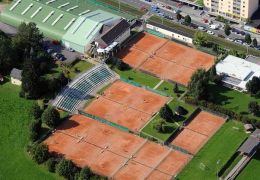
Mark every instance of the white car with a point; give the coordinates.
(210, 32)
(158, 4)
(238, 41)
(176, 11)
(230, 39)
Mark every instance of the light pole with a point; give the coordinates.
(217, 167)
(162, 21)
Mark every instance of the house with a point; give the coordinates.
(248, 127)
(16, 76)
(119, 32)
(236, 72)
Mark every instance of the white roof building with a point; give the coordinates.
(237, 71)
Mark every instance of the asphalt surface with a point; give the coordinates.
(186, 10)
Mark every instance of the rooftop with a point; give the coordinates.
(16, 73)
(252, 142)
(239, 69)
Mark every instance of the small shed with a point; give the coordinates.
(179, 110)
(1, 78)
(251, 144)
(16, 76)
(248, 127)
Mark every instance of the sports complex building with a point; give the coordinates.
(237, 72)
(75, 23)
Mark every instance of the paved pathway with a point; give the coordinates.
(157, 85)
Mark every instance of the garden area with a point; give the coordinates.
(169, 126)
(221, 147)
(14, 137)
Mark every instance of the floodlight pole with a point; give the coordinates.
(217, 168)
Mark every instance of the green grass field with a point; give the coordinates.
(234, 100)
(79, 67)
(15, 164)
(221, 146)
(169, 89)
(138, 77)
(251, 171)
(170, 127)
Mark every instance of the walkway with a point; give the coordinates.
(157, 85)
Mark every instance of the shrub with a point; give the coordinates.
(39, 153)
(67, 169)
(51, 164)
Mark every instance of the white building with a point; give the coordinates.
(237, 72)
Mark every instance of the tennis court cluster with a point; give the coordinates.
(114, 153)
(201, 128)
(165, 59)
(126, 105)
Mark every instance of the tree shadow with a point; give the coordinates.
(168, 129)
(69, 124)
(179, 118)
(218, 94)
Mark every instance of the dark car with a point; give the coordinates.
(242, 33)
(58, 55)
(168, 17)
(62, 58)
(184, 23)
(233, 30)
(194, 26)
(55, 42)
(221, 36)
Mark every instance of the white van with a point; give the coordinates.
(213, 27)
(202, 29)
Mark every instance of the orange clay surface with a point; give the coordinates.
(106, 149)
(169, 60)
(126, 105)
(198, 132)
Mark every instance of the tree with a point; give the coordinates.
(200, 38)
(7, 54)
(29, 36)
(120, 65)
(35, 111)
(254, 42)
(198, 84)
(187, 19)
(85, 173)
(62, 79)
(35, 130)
(159, 125)
(212, 73)
(253, 107)
(178, 16)
(166, 112)
(31, 84)
(227, 29)
(233, 52)
(51, 164)
(253, 85)
(51, 117)
(248, 39)
(176, 88)
(39, 153)
(67, 169)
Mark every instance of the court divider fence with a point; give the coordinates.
(155, 33)
(103, 121)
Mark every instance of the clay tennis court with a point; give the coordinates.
(167, 69)
(111, 152)
(138, 50)
(201, 128)
(126, 105)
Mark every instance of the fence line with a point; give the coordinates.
(226, 117)
(155, 33)
(174, 82)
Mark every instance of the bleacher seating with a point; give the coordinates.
(75, 92)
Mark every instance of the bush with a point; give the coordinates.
(67, 169)
(51, 117)
(51, 164)
(35, 130)
(35, 111)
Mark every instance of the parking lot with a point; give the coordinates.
(69, 56)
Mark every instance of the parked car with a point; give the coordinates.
(233, 29)
(58, 55)
(168, 7)
(161, 14)
(154, 7)
(238, 41)
(258, 47)
(156, 10)
(161, 5)
(213, 27)
(201, 28)
(62, 58)
(194, 7)
(230, 39)
(70, 49)
(221, 36)
(148, 0)
(144, 9)
(210, 32)
(55, 42)
(169, 17)
(176, 11)
(194, 26)
(49, 50)
(242, 33)
(184, 23)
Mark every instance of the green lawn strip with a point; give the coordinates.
(251, 171)
(231, 164)
(138, 77)
(104, 88)
(170, 127)
(221, 146)
(233, 99)
(168, 88)
(89, 101)
(80, 67)
(15, 164)
(124, 7)
(214, 39)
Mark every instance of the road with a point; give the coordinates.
(186, 10)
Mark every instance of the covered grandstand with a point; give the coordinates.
(53, 17)
(77, 90)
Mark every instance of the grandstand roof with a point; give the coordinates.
(239, 69)
(82, 33)
(69, 8)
